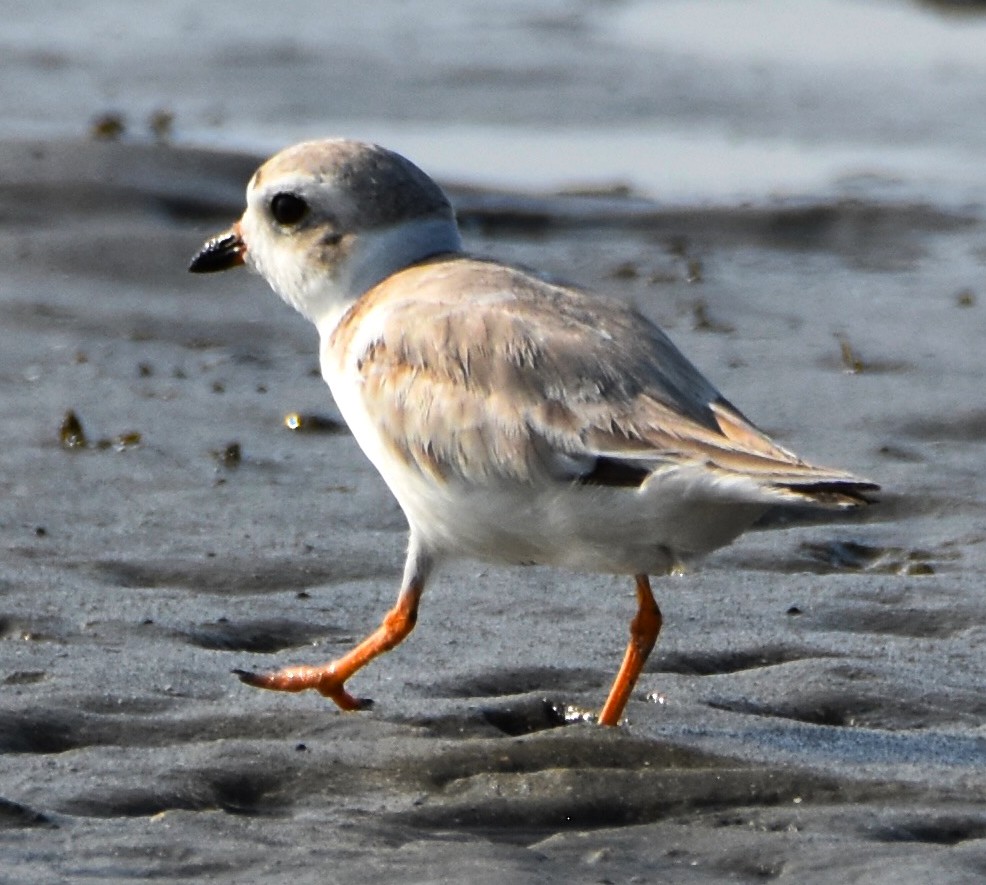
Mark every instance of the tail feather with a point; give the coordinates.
(786, 474)
(832, 494)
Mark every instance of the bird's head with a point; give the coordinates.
(328, 220)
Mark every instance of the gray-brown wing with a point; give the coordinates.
(518, 378)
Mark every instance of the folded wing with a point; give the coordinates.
(515, 378)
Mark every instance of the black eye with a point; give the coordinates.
(288, 209)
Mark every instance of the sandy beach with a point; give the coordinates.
(814, 709)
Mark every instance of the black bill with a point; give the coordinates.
(222, 252)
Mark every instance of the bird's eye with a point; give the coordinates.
(288, 209)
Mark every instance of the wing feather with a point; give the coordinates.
(482, 372)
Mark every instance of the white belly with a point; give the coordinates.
(584, 528)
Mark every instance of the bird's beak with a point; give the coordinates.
(222, 252)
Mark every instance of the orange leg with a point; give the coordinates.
(643, 634)
(329, 679)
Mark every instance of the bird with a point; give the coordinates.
(516, 420)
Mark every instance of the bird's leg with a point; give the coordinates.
(643, 634)
(330, 679)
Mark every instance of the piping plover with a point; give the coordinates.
(515, 420)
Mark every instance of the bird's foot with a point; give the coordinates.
(323, 679)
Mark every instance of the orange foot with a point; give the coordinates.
(324, 680)
(330, 679)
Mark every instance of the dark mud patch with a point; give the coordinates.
(524, 807)
(117, 705)
(232, 577)
(245, 792)
(933, 826)
(513, 718)
(529, 699)
(501, 682)
(198, 335)
(524, 718)
(717, 663)
(909, 622)
(871, 236)
(25, 677)
(61, 729)
(112, 179)
(582, 746)
(42, 732)
(858, 697)
(969, 427)
(835, 710)
(840, 555)
(32, 629)
(583, 778)
(14, 815)
(262, 636)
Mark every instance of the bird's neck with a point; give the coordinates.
(381, 253)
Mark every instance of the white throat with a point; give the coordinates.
(379, 253)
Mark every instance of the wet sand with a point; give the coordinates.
(814, 709)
